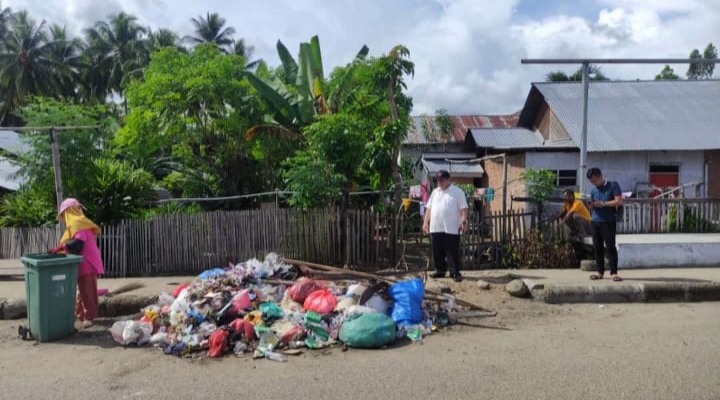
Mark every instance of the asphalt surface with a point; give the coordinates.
(638, 351)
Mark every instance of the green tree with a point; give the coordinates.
(118, 50)
(67, 52)
(695, 70)
(163, 38)
(710, 53)
(559, 76)
(667, 74)
(540, 185)
(196, 109)
(212, 29)
(27, 67)
(110, 189)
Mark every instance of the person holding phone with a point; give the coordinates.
(605, 197)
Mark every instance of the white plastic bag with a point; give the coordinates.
(131, 332)
(165, 300)
(160, 338)
(378, 304)
(354, 310)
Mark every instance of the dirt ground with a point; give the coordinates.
(530, 350)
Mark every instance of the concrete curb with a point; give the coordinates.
(655, 292)
(109, 307)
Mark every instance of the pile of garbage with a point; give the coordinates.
(268, 309)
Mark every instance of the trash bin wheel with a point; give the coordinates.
(23, 332)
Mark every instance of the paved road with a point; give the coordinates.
(668, 351)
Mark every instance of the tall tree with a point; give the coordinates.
(667, 74)
(5, 14)
(118, 49)
(163, 38)
(695, 70)
(212, 29)
(246, 51)
(26, 65)
(390, 74)
(710, 53)
(67, 52)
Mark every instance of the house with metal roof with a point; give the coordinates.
(647, 135)
(431, 149)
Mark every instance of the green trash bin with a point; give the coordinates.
(50, 289)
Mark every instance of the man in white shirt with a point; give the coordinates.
(445, 220)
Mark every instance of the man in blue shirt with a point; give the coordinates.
(605, 197)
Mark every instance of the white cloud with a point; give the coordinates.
(467, 52)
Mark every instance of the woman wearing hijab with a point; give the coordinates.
(80, 238)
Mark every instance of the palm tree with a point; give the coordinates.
(26, 63)
(68, 54)
(118, 51)
(162, 38)
(210, 29)
(246, 51)
(5, 14)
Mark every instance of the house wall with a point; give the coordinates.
(632, 168)
(549, 125)
(712, 161)
(494, 179)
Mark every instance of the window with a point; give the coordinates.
(566, 177)
(665, 169)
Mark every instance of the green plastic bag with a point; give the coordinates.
(368, 331)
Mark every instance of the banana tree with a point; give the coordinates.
(299, 92)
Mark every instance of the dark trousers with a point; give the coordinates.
(579, 226)
(446, 252)
(604, 241)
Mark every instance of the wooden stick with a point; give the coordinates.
(377, 278)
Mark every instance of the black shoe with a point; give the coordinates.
(457, 278)
(438, 274)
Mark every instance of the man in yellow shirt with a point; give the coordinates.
(575, 215)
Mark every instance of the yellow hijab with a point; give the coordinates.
(76, 221)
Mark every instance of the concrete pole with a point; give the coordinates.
(583, 141)
(56, 167)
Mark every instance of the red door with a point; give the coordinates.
(662, 177)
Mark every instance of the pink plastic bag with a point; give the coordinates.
(241, 302)
(303, 288)
(321, 301)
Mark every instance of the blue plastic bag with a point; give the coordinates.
(407, 299)
(211, 273)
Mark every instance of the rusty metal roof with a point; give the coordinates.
(636, 115)
(421, 124)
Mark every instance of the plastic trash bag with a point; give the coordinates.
(344, 303)
(160, 339)
(407, 299)
(321, 301)
(165, 300)
(131, 332)
(289, 305)
(368, 331)
(377, 303)
(244, 329)
(356, 291)
(271, 311)
(357, 310)
(303, 288)
(218, 343)
(211, 273)
(176, 292)
(296, 333)
(241, 302)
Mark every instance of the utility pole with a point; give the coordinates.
(583, 142)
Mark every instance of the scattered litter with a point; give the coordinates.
(266, 309)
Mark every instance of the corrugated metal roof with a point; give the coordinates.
(640, 115)
(459, 164)
(416, 133)
(514, 138)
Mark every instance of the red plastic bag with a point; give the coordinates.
(175, 293)
(303, 288)
(245, 328)
(241, 302)
(218, 343)
(320, 301)
(293, 335)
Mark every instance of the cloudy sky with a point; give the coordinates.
(467, 52)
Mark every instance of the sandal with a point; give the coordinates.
(595, 277)
(616, 278)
